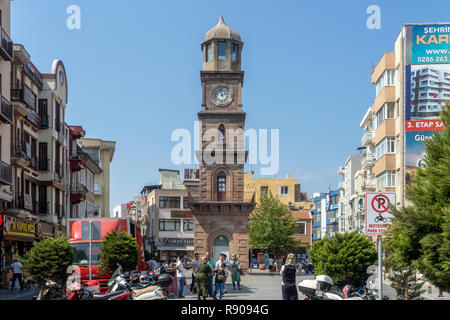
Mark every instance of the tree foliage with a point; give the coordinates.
(272, 224)
(345, 258)
(118, 248)
(48, 260)
(406, 285)
(420, 232)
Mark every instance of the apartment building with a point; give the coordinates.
(170, 220)
(325, 214)
(120, 211)
(348, 219)
(286, 189)
(102, 152)
(82, 171)
(6, 108)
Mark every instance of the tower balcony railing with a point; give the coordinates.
(6, 46)
(367, 138)
(6, 111)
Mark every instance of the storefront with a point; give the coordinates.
(172, 248)
(19, 236)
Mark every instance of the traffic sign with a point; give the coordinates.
(377, 211)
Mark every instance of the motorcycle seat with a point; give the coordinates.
(106, 296)
(139, 292)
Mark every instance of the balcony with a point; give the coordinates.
(367, 138)
(6, 111)
(19, 156)
(76, 163)
(5, 173)
(77, 193)
(367, 161)
(369, 184)
(6, 46)
(19, 104)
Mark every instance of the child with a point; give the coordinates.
(219, 280)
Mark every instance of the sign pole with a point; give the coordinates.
(380, 269)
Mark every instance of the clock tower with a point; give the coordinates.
(221, 215)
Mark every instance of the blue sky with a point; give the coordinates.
(133, 74)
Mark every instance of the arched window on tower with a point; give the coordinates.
(221, 133)
(221, 186)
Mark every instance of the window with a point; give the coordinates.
(386, 179)
(386, 79)
(221, 133)
(185, 203)
(188, 225)
(387, 111)
(301, 228)
(169, 225)
(169, 202)
(235, 51)
(387, 145)
(208, 52)
(283, 191)
(264, 191)
(222, 50)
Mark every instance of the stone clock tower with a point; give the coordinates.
(221, 215)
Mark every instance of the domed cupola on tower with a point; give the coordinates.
(222, 48)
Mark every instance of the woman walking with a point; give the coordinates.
(235, 275)
(202, 278)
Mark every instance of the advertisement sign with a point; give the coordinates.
(378, 215)
(427, 88)
(428, 43)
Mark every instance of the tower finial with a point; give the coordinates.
(221, 21)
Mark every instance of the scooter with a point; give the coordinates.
(321, 289)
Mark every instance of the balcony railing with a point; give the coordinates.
(6, 46)
(5, 173)
(366, 138)
(367, 160)
(6, 111)
(369, 184)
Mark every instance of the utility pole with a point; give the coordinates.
(380, 268)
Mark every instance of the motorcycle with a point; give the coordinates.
(380, 218)
(321, 289)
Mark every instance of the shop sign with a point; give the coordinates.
(181, 214)
(177, 241)
(19, 227)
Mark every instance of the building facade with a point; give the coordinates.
(325, 214)
(220, 211)
(169, 219)
(348, 219)
(102, 152)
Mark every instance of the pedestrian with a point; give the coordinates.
(279, 264)
(235, 272)
(288, 273)
(270, 264)
(211, 275)
(219, 276)
(180, 276)
(227, 267)
(152, 264)
(195, 263)
(17, 274)
(202, 278)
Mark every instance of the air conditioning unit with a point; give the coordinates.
(291, 203)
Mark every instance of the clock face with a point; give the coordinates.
(221, 96)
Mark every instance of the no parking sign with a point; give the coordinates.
(377, 212)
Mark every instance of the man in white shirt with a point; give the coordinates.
(223, 260)
(270, 264)
(17, 274)
(180, 276)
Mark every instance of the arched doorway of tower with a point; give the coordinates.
(221, 245)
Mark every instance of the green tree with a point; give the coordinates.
(406, 285)
(345, 258)
(272, 225)
(118, 248)
(48, 260)
(423, 226)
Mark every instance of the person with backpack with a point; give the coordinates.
(288, 273)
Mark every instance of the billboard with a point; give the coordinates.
(427, 44)
(427, 88)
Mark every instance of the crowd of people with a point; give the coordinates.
(208, 277)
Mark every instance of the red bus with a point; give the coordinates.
(86, 265)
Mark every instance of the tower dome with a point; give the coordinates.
(222, 31)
